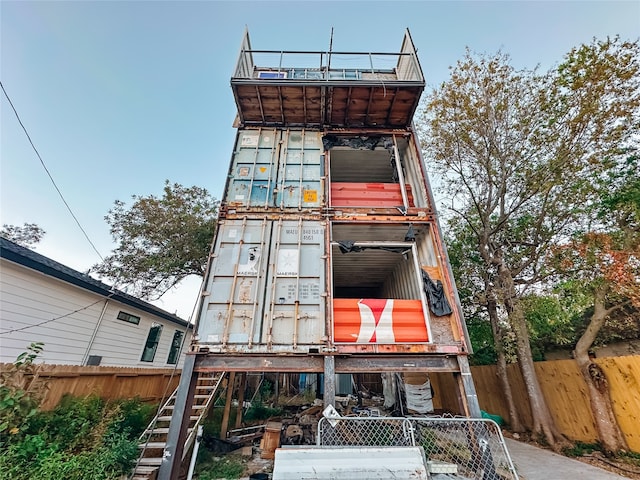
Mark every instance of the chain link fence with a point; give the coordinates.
(455, 448)
(366, 432)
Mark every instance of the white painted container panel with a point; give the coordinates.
(231, 309)
(296, 283)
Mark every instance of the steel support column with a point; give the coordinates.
(469, 388)
(329, 380)
(172, 456)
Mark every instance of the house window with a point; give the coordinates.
(152, 343)
(176, 343)
(127, 317)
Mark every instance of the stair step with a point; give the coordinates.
(195, 407)
(163, 430)
(145, 470)
(167, 418)
(150, 461)
(201, 396)
(153, 445)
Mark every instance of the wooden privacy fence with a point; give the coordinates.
(149, 384)
(567, 397)
(561, 382)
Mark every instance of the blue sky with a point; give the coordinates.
(119, 96)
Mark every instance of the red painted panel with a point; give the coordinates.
(344, 194)
(378, 320)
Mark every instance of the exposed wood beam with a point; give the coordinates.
(326, 108)
(284, 122)
(346, 108)
(366, 117)
(304, 103)
(260, 103)
(315, 363)
(393, 101)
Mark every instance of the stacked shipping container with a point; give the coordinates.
(328, 257)
(327, 243)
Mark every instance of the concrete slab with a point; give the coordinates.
(533, 463)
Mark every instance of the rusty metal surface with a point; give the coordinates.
(315, 363)
(358, 89)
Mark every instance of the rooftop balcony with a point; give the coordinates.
(327, 88)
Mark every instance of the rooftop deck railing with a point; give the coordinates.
(327, 66)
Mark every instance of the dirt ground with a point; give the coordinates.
(625, 467)
(611, 465)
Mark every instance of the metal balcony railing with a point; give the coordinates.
(327, 66)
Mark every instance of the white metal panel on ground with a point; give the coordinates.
(354, 463)
(265, 288)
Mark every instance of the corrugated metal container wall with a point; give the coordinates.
(378, 295)
(301, 170)
(276, 168)
(413, 173)
(374, 176)
(253, 168)
(265, 289)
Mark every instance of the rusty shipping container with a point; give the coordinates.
(276, 169)
(302, 170)
(267, 290)
(328, 256)
(375, 170)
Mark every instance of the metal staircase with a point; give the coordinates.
(153, 439)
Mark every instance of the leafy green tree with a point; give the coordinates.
(490, 334)
(517, 152)
(605, 261)
(27, 235)
(161, 240)
(549, 321)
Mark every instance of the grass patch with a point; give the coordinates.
(81, 438)
(210, 467)
(630, 458)
(580, 448)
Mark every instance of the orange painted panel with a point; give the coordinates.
(378, 320)
(345, 194)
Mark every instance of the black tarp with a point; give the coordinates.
(348, 246)
(359, 143)
(438, 303)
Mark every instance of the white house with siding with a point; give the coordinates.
(80, 320)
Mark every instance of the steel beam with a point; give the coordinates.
(396, 363)
(317, 363)
(259, 363)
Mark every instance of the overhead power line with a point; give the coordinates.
(49, 174)
(44, 322)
